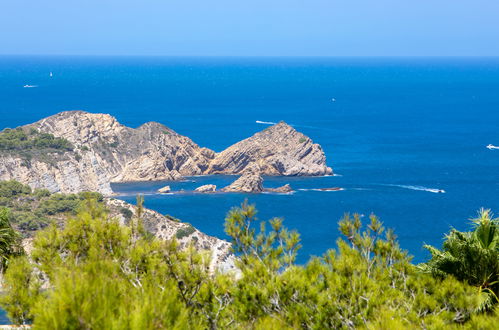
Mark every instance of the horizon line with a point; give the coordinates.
(249, 56)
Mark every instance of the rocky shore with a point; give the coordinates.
(105, 151)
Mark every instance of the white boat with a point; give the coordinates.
(51, 75)
(491, 147)
(30, 86)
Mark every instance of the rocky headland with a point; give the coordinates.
(104, 151)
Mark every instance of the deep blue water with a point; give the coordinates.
(408, 122)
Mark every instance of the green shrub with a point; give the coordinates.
(185, 231)
(40, 193)
(13, 188)
(58, 203)
(18, 139)
(127, 213)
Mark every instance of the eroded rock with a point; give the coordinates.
(164, 190)
(207, 188)
(283, 189)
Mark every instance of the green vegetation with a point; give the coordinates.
(20, 139)
(33, 210)
(10, 243)
(185, 231)
(104, 275)
(302, 140)
(471, 257)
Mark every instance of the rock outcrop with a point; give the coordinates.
(106, 151)
(164, 190)
(277, 150)
(207, 188)
(284, 189)
(249, 182)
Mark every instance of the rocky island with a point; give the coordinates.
(89, 151)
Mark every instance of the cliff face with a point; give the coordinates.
(277, 150)
(106, 151)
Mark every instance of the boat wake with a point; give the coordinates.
(265, 122)
(30, 86)
(492, 147)
(419, 188)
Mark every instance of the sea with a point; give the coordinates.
(406, 137)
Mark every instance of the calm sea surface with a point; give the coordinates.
(397, 129)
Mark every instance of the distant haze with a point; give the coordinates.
(250, 28)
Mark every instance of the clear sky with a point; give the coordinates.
(251, 27)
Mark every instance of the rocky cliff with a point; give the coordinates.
(277, 150)
(106, 151)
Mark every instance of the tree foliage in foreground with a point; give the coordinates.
(104, 275)
(472, 257)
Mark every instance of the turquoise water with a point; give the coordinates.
(396, 128)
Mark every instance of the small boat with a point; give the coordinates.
(491, 146)
(333, 100)
(30, 86)
(51, 75)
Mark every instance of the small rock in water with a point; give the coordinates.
(284, 189)
(249, 182)
(164, 190)
(206, 188)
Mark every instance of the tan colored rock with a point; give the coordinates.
(164, 190)
(277, 150)
(249, 182)
(106, 152)
(207, 188)
(284, 189)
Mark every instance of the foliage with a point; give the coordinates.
(20, 139)
(13, 188)
(10, 244)
(31, 210)
(185, 231)
(472, 257)
(105, 275)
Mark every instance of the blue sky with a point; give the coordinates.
(251, 28)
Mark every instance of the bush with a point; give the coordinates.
(40, 193)
(18, 139)
(58, 203)
(127, 213)
(13, 188)
(185, 231)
